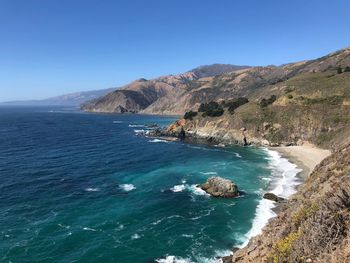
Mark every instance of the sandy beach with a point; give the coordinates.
(306, 156)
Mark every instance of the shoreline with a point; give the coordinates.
(305, 156)
(284, 183)
(298, 160)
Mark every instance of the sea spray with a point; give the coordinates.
(127, 187)
(283, 183)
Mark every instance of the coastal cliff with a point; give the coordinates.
(312, 106)
(310, 103)
(292, 104)
(314, 224)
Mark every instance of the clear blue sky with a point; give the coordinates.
(52, 47)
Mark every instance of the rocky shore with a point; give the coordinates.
(314, 224)
(319, 211)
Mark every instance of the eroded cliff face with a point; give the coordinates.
(325, 126)
(314, 225)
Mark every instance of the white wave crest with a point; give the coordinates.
(187, 236)
(209, 173)
(135, 236)
(284, 182)
(194, 189)
(157, 222)
(173, 259)
(141, 131)
(178, 188)
(238, 155)
(117, 121)
(197, 191)
(90, 189)
(127, 187)
(136, 125)
(157, 140)
(89, 229)
(207, 213)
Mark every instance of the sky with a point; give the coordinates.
(53, 47)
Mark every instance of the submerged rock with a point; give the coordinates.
(273, 197)
(220, 187)
(152, 125)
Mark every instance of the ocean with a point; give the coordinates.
(81, 187)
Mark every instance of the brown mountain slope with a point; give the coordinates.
(138, 95)
(180, 93)
(311, 107)
(252, 83)
(147, 92)
(311, 104)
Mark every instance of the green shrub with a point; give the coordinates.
(211, 109)
(283, 248)
(303, 213)
(347, 69)
(235, 103)
(339, 70)
(288, 90)
(265, 102)
(332, 100)
(208, 106)
(190, 114)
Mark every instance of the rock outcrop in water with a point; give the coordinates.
(220, 187)
(273, 197)
(314, 225)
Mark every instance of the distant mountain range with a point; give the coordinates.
(176, 94)
(134, 100)
(163, 95)
(71, 99)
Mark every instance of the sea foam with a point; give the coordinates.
(135, 236)
(283, 183)
(194, 189)
(209, 173)
(141, 131)
(127, 187)
(89, 229)
(157, 140)
(136, 125)
(91, 189)
(178, 188)
(173, 259)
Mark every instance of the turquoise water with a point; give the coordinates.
(77, 187)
